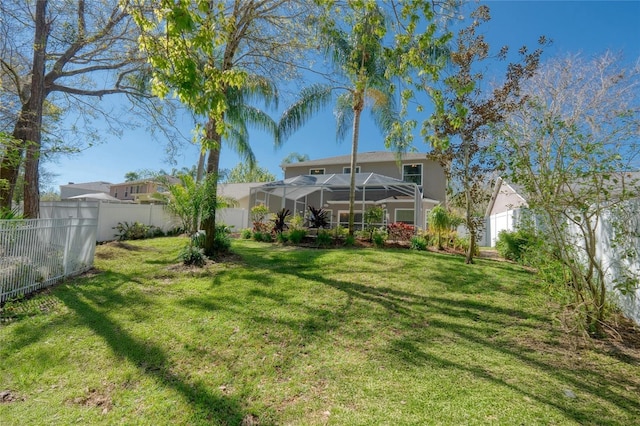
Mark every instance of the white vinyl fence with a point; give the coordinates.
(109, 215)
(37, 253)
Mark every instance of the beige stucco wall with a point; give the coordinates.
(433, 179)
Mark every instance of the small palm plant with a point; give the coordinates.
(439, 222)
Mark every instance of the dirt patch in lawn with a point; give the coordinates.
(96, 398)
(7, 396)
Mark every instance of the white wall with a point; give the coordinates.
(237, 218)
(505, 221)
(110, 214)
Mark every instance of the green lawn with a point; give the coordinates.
(281, 335)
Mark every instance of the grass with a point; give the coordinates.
(279, 335)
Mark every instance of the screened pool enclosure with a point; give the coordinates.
(401, 201)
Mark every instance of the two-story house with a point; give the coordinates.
(141, 191)
(406, 187)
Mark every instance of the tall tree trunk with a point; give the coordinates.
(211, 184)
(12, 158)
(357, 111)
(28, 130)
(471, 225)
(32, 160)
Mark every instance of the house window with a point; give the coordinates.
(116, 194)
(405, 216)
(343, 217)
(316, 171)
(412, 173)
(125, 194)
(347, 170)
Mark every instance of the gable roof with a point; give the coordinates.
(98, 186)
(172, 180)
(297, 187)
(237, 191)
(363, 157)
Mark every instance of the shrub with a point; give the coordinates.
(400, 231)
(280, 221)
(267, 237)
(462, 244)
(192, 255)
(340, 232)
(372, 217)
(297, 235)
(419, 243)
(379, 237)
(324, 239)
(282, 237)
(296, 222)
(318, 218)
(515, 245)
(362, 235)
(133, 231)
(8, 214)
(198, 239)
(245, 234)
(222, 239)
(258, 216)
(258, 235)
(440, 222)
(349, 240)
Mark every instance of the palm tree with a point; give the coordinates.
(240, 114)
(359, 58)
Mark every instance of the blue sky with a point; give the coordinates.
(589, 27)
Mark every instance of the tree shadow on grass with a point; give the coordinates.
(151, 360)
(463, 319)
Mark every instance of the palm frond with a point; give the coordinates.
(311, 100)
(343, 112)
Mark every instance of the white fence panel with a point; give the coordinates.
(616, 263)
(37, 253)
(110, 214)
(238, 218)
(149, 214)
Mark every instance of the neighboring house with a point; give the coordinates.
(75, 189)
(238, 192)
(406, 187)
(504, 210)
(237, 215)
(141, 191)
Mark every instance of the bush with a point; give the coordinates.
(134, 231)
(324, 239)
(245, 234)
(515, 245)
(282, 237)
(318, 218)
(349, 240)
(340, 232)
(198, 239)
(462, 244)
(379, 237)
(297, 235)
(280, 221)
(258, 235)
(267, 237)
(192, 255)
(419, 243)
(222, 239)
(400, 231)
(296, 222)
